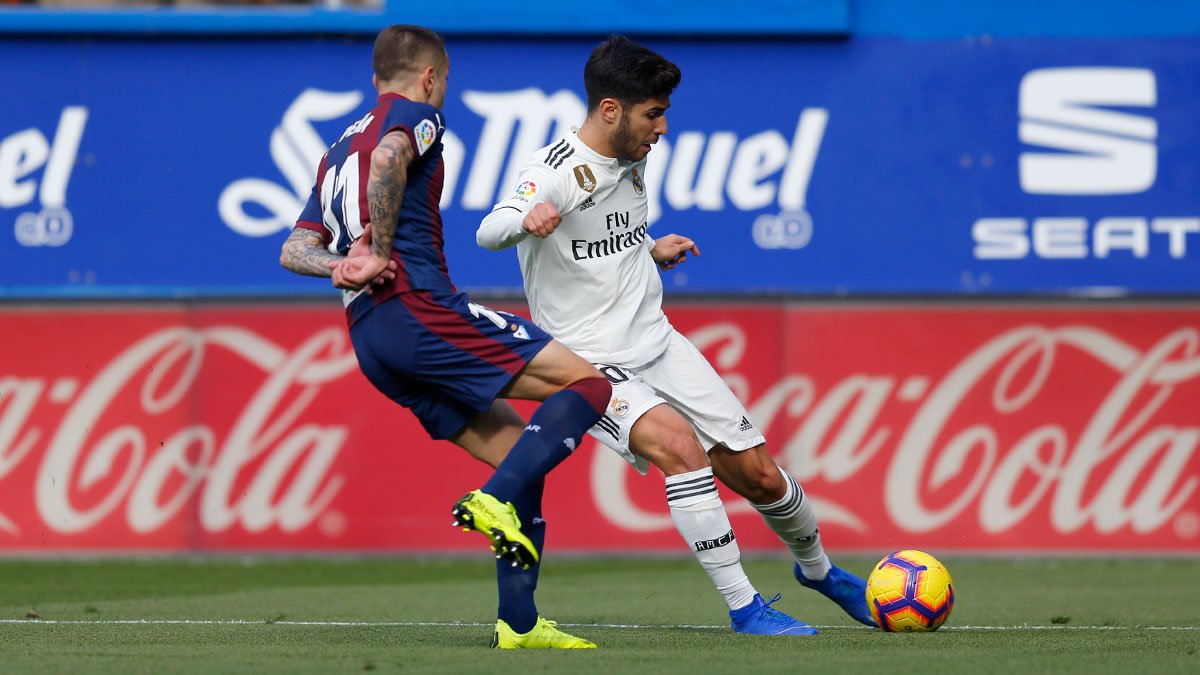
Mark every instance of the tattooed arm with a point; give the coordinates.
(385, 189)
(304, 253)
(385, 192)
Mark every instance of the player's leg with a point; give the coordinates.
(740, 460)
(513, 359)
(793, 519)
(573, 396)
(488, 437)
(642, 422)
(396, 350)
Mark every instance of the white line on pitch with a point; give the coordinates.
(449, 624)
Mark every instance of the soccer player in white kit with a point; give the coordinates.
(578, 217)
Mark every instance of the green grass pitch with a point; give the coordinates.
(343, 615)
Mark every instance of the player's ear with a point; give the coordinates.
(427, 77)
(610, 110)
(375, 81)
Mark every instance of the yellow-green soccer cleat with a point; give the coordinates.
(544, 635)
(477, 510)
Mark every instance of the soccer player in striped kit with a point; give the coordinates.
(425, 345)
(578, 217)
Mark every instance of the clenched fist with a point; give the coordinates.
(541, 220)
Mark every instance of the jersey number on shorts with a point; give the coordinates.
(614, 374)
(491, 315)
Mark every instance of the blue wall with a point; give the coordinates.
(892, 161)
(926, 19)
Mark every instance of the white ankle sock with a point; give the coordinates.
(701, 519)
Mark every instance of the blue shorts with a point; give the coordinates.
(443, 356)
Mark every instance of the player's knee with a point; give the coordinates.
(765, 484)
(676, 453)
(758, 482)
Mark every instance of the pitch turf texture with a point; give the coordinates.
(648, 616)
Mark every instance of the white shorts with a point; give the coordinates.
(684, 379)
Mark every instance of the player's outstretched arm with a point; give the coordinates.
(672, 250)
(304, 253)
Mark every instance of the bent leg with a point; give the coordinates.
(754, 475)
(574, 396)
(662, 436)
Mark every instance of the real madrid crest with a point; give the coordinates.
(620, 407)
(637, 182)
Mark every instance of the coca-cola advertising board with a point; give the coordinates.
(180, 428)
(866, 166)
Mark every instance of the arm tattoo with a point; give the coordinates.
(385, 189)
(304, 253)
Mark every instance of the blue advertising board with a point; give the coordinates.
(474, 17)
(147, 168)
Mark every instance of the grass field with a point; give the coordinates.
(648, 616)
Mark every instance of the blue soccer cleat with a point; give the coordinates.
(757, 618)
(844, 588)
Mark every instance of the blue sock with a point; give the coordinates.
(553, 432)
(516, 585)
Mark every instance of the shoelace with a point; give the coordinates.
(774, 615)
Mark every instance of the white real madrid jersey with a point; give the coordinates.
(592, 283)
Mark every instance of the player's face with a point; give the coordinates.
(640, 127)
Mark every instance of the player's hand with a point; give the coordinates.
(672, 250)
(361, 248)
(353, 274)
(541, 220)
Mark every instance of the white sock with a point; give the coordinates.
(793, 519)
(700, 517)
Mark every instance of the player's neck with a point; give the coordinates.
(596, 137)
(415, 92)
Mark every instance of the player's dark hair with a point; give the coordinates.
(622, 69)
(404, 48)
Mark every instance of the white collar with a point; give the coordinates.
(590, 155)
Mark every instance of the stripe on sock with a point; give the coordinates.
(687, 486)
(789, 505)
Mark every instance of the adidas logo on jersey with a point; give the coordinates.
(587, 204)
(745, 425)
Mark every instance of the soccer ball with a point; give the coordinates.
(910, 591)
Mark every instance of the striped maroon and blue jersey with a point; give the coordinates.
(338, 209)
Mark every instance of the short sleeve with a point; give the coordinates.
(310, 217)
(423, 124)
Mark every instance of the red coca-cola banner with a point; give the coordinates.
(250, 428)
